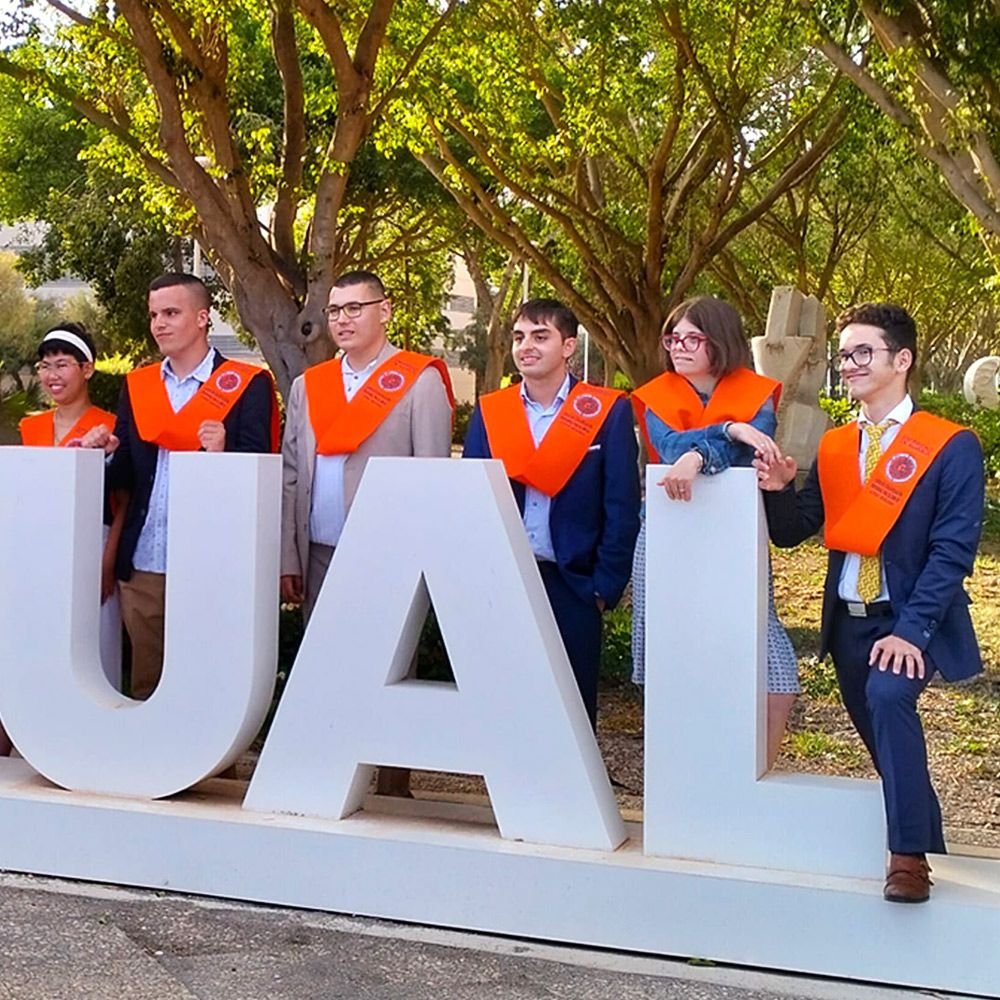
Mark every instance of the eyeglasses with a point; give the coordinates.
(352, 310)
(55, 367)
(687, 341)
(861, 356)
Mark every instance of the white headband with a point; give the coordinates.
(70, 338)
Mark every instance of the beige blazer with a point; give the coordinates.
(419, 425)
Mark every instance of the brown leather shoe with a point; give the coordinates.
(908, 880)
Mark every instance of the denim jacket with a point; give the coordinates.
(718, 452)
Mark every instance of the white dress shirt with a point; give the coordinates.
(536, 503)
(847, 588)
(151, 548)
(329, 508)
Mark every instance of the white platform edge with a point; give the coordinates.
(463, 875)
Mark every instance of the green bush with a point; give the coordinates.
(463, 413)
(105, 388)
(109, 377)
(616, 652)
(986, 423)
(839, 409)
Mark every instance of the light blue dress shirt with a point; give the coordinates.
(536, 503)
(151, 549)
(329, 507)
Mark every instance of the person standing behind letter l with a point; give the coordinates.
(570, 451)
(709, 411)
(901, 495)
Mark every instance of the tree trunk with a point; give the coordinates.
(496, 354)
(289, 338)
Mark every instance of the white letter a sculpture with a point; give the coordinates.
(449, 529)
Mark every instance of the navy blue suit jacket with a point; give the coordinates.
(133, 465)
(594, 518)
(927, 554)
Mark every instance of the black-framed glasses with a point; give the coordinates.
(860, 357)
(352, 310)
(687, 341)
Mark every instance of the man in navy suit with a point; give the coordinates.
(571, 452)
(901, 496)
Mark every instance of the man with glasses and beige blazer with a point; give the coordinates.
(373, 400)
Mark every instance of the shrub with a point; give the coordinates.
(463, 413)
(839, 409)
(616, 651)
(986, 423)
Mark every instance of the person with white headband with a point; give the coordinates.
(65, 366)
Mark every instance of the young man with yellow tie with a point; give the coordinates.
(901, 494)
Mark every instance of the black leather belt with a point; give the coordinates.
(877, 609)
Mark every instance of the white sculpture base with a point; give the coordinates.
(457, 873)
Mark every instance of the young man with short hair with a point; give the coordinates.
(194, 400)
(571, 453)
(374, 400)
(901, 495)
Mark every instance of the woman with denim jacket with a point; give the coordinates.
(709, 411)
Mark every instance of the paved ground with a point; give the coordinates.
(68, 941)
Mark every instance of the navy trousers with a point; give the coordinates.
(883, 707)
(579, 625)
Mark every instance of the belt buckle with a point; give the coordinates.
(856, 609)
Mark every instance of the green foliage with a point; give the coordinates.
(839, 409)
(551, 123)
(105, 387)
(991, 515)
(986, 423)
(39, 149)
(97, 233)
(819, 679)
(616, 652)
(816, 745)
(463, 413)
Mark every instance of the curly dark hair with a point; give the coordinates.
(897, 325)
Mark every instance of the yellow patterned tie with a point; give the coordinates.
(870, 570)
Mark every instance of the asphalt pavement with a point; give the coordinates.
(62, 940)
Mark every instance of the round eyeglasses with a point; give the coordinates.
(686, 341)
(860, 357)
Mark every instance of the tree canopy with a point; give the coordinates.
(933, 69)
(622, 155)
(241, 124)
(619, 147)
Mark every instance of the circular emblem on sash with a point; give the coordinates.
(901, 468)
(390, 381)
(229, 381)
(587, 405)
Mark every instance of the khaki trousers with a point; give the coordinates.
(393, 781)
(143, 599)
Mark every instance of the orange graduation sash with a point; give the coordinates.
(738, 397)
(158, 424)
(39, 429)
(340, 425)
(548, 466)
(858, 517)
